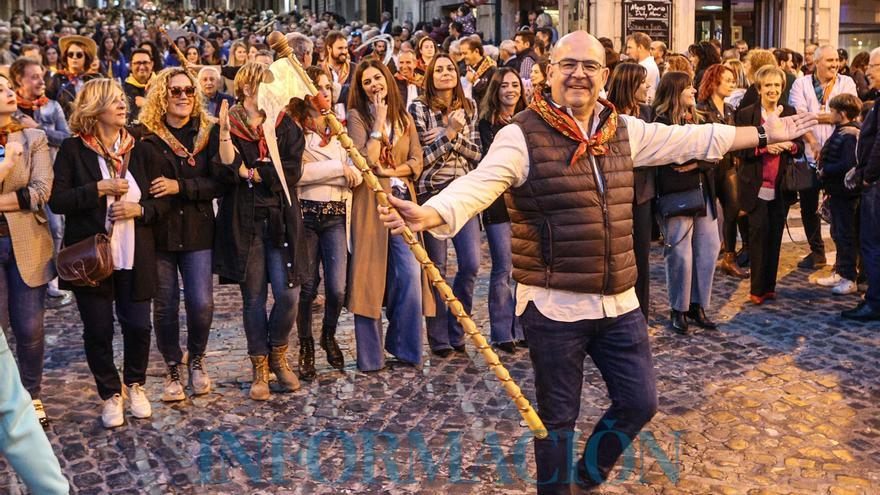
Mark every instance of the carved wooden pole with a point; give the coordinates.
(278, 42)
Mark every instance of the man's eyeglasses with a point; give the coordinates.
(76, 55)
(176, 91)
(142, 62)
(568, 66)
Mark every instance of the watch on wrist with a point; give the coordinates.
(376, 135)
(762, 137)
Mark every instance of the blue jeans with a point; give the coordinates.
(501, 307)
(198, 288)
(621, 351)
(326, 245)
(266, 265)
(444, 331)
(870, 239)
(22, 440)
(22, 308)
(403, 296)
(845, 233)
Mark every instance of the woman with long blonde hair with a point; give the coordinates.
(102, 186)
(187, 148)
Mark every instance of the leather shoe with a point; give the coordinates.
(522, 343)
(698, 315)
(729, 266)
(756, 300)
(679, 322)
(459, 348)
(508, 347)
(812, 261)
(863, 312)
(444, 353)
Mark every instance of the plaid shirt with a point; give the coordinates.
(445, 160)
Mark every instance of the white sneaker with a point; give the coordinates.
(845, 287)
(140, 404)
(830, 281)
(112, 416)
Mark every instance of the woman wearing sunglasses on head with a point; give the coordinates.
(187, 148)
(77, 56)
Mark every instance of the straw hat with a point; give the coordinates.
(88, 44)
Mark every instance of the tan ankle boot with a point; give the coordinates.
(279, 365)
(260, 385)
(729, 266)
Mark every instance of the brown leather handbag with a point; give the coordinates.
(90, 261)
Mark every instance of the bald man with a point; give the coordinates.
(811, 94)
(567, 164)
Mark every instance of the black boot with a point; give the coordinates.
(698, 315)
(306, 343)
(679, 322)
(334, 353)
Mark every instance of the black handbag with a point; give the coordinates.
(688, 203)
(799, 175)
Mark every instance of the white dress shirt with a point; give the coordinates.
(803, 98)
(506, 165)
(653, 76)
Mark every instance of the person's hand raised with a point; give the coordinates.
(780, 129)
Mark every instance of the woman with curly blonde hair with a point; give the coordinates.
(102, 185)
(187, 147)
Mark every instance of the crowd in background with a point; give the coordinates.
(105, 129)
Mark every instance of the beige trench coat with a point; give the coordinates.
(369, 238)
(31, 239)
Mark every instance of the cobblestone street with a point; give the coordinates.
(784, 398)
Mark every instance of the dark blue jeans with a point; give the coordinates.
(870, 239)
(845, 233)
(621, 351)
(444, 331)
(501, 306)
(21, 309)
(198, 292)
(403, 307)
(327, 246)
(266, 265)
(96, 311)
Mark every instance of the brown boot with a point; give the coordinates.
(729, 266)
(279, 365)
(260, 385)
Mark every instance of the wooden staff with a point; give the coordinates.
(278, 42)
(180, 55)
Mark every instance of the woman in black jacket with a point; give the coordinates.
(260, 235)
(188, 149)
(628, 91)
(692, 241)
(504, 98)
(760, 176)
(96, 198)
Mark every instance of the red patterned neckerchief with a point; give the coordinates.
(73, 78)
(386, 154)
(560, 120)
(126, 143)
(31, 105)
(239, 127)
(502, 118)
(11, 127)
(409, 80)
(486, 64)
(311, 125)
(200, 143)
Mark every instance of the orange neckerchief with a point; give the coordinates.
(560, 120)
(11, 127)
(311, 125)
(486, 64)
(826, 94)
(26, 104)
(342, 75)
(126, 143)
(200, 143)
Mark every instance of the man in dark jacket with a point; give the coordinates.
(867, 174)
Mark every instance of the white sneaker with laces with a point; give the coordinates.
(830, 281)
(112, 415)
(140, 404)
(845, 287)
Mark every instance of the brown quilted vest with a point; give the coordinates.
(567, 234)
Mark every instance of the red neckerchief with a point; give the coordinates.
(11, 127)
(386, 154)
(312, 126)
(126, 143)
(484, 65)
(31, 105)
(560, 120)
(502, 118)
(401, 77)
(239, 127)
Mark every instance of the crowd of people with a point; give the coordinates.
(107, 131)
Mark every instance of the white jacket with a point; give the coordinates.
(323, 178)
